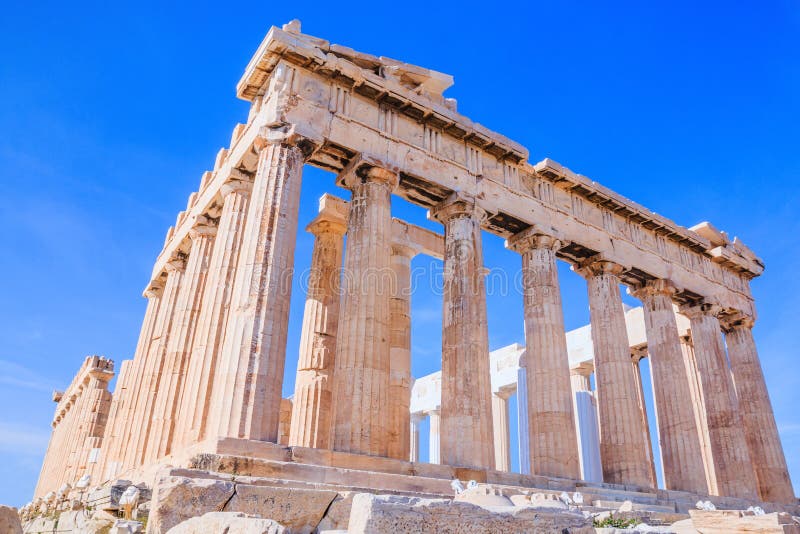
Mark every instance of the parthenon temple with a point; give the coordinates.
(203, 389)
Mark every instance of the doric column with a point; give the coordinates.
(196, 404)
(128, 389)
(761, 432)
(551, 427)
(248, 390)
(434, 443)
(361, 386)
(699, 410)
(311, 417)
(400, 351)
(502, 449)
(523, 436)
(142, 417)
(733, 470)
(623, 447)
(466, 385)
(413, 455)
(636, 359)
(97, 416)
(677, 430)
(586, 424)
(181, 336)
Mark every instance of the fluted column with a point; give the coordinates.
(586, 424)
(196, 403)
(733, 470)
(400, 351)
(97, 419)
(699, 410)
(677, 429)
(413, 455)
(361, 385)
(636, 360)
(466, 386)
(434, 442)
(142, 416)
(623, 447)
(551, 423)
(761, 432)
(181, 337)
(248, 390)
(523, 436)
(502, 449)
(128, 389)
(311, 417)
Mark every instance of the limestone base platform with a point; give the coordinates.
(340, 471)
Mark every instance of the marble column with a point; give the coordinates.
(181, 337)
(699, 410)
(400, 351)
(733, 470)
(679, 441)
(586, 425)
(551, 424)
(502, 448)
(523, 436)
(636, 360)
(413, 453)
(361, 385)
(128, 389)
(434, 443)
(142, 413)
(247, 392)
(311, 417)
(761, 431)
(196, 403)
(466, 387)
(623, 447)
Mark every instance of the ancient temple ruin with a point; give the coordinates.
(203, 390)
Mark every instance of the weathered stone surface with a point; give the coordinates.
(229, 523)
(338, 514)
(176, 499)
(371, 513)
(123, 526)
(737, 521)
(298, 509)
(9, 520)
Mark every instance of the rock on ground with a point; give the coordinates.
(736, 521)
(176, 499)
(229, 523)
(388, 513)
(9, 520)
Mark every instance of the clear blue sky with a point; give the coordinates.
(110, 113)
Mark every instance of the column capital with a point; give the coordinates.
(737, 320)
(597, 265)
(455, 206)
(154, 289)
(284, 135)
(175, 264)
(658, 286)
(534, 238)
(697, 309)
(203, 226)
(327, 225)
(238, 182)
(364, 168)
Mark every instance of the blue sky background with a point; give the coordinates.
(110, 112)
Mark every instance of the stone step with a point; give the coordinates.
(639, 507)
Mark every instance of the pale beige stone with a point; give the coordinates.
(552, 443)
(371, 513)
(361, 385)
(623, 446)
(176, 499)
(736, 521)
(300, 510)
(732, 467)
(311, 417)
(466, 413)
(229, 523)
(678, 433)
(9, 520)
(761, 431)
